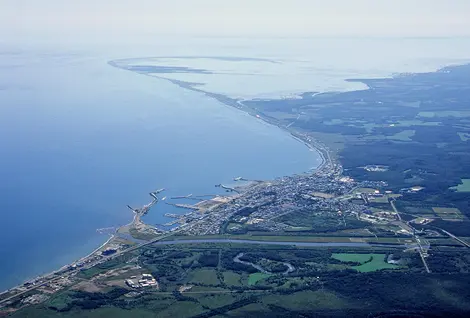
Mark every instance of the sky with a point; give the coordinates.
(273, 18)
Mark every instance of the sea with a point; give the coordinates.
(80, 139)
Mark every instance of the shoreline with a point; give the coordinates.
(238, 104)
(310, 144)
(54, 272)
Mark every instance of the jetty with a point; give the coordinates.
(226, 187)
(182, 196)
(240, 179)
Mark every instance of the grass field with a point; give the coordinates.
(359, 258)
(377, 262)
(232, 278)
(204, 276)
(142, 236)
(448, 213)
(248, 310)
(217, 300)
(307, 300)
(364, 190)
(256, 277)
(463, 187)
(182, 309)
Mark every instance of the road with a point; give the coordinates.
(406, 226)
(422, 254)
(454, 237)
(392, 203)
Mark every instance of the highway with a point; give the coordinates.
(422, 252)
(454, 237)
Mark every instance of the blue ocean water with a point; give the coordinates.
(79, 140)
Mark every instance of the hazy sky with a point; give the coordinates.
(93, 18)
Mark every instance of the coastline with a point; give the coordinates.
(326, 161)
(324, 153)
(46, 275)
(310, 142)
(227, 101)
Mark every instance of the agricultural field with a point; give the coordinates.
(448, 213)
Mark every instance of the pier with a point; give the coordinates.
(226, 188)
(182, 197)
(240, 179)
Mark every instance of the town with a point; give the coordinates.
(325, 196)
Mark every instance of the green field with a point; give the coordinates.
(216, 300)
(463, 187)
(307, 300)
(256, 277)
(367, 265)
(204, 276)
(364, 190)
(232, 278)
(346, 257)
(142, 236)
(448, 213)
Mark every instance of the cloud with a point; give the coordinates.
(101, 18)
